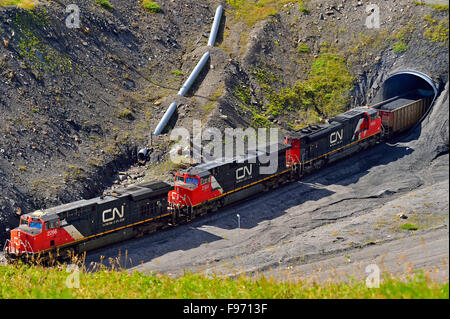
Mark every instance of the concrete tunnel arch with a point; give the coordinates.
(404, 81)
(409, 84)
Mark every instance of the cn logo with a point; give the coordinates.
(336, 137)
(111, 214)
(242, 172)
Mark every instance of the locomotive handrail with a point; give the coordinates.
(6, 246)
(25, 246)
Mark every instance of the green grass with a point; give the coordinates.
(303, 48)
(125, 114)
(399, 47)
(151, 6)
(409, 226)
(304, 10)
(29, 282)
(26, 4)
(436, 31)
(177, 73)
(324, 93)
(105, 4)
(251, 11)
(437, 7)
(440, 7)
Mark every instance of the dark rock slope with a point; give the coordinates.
(76, 103)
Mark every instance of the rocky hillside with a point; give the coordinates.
(78, 103)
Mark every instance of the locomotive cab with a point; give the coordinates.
(36, 232)
(23, 237)
(191, 189)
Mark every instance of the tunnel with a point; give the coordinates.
(405, 99)
(402, 82)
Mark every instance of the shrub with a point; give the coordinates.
(126, 114)
(408, 226)
(177, 73)
(324, 93)
(399, 47)
(105, 4)
(303, 48)
(304, 10)
(26, 4)
(151, 6)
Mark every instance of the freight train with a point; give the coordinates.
(134, 211)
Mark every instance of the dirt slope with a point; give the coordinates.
(77, 104)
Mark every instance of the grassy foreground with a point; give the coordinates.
(23, 281)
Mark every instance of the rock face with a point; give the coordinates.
(434, 131)
(76, 103)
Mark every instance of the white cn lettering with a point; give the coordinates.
(336, 136)
(114, 212)
(243, 171)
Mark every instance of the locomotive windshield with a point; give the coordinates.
(37, 225)
(192, 180)
(23, 222)
(33, 225)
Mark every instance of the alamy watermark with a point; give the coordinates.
(373, 279)
(73, 279)
(373, 18)
(73, 19)
(208, 144)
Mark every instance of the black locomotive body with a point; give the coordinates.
(89, 224)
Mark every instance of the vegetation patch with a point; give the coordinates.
(105, 4)
(177, 73)
(37, 54)
(126, 114)
(26, 282)
(243, 93)
(409, 226)
(151, 6)
(325, 93)
(436, 31)
(253, 11)
(26, 4)
(74, 173)
(437, 7)
(399, 47)
(303, 48)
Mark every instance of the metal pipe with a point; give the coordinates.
(215, 26)
(165, 119)
(191, 79)
(183, 90)
(187, 85)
